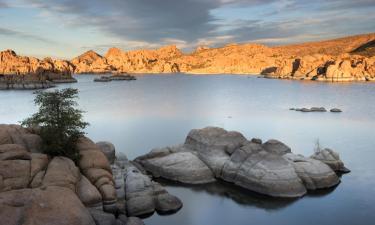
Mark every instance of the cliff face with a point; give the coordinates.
(35, 69)
(344, 59)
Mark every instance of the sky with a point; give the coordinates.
(67, 28)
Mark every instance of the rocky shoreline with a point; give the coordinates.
(339, 60)
(106, 188)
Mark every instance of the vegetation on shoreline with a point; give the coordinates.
(58, 122)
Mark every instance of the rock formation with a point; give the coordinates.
(270, 168)
(21, 72)
(37, 189)
(344, 59)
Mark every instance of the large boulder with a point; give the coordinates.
(184, 167)
(89, 194)
(95, 166)
(62, 172)
(49, 206)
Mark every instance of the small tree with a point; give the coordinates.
(59, 121)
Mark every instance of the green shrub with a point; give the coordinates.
(59, 121)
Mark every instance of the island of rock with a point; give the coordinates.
(269, 168)
(21, 72)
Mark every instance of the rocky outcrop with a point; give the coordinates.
(91, 62)
(21, 72)
(269, 168)
(38, 189)
(95, 166)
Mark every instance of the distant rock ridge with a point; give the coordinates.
(21, 72)
(343, 59)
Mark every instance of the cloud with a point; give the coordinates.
(3, 5)
(152, 23)
(22, 35)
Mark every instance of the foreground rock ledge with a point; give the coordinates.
(270, 168)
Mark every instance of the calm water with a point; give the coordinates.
(157, 111)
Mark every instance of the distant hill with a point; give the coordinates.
(367, 49)
(330, 47)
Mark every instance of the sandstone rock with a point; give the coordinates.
(37, 180)
(38, 71)
(96, 168)
(13, 151)
(39, 162)
(62, 172)
(15, 174)
(108, 149)
(51, 206)
(332, 159)
(88, 194)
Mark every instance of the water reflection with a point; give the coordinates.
(243, 196)
(157, 111)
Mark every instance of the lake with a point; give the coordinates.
(159, 110)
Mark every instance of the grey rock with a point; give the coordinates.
(184, 167)
(256, 140)
(332, 159)
(313, 173)
(335, 110)
(269, 168)
(108, 149)
(276, 147)
(102, 218)
(143, 196)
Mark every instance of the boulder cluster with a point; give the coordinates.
(268, 168)
(37, 189)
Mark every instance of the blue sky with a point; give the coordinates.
(67, 28)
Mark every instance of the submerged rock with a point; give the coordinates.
(269, 168)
